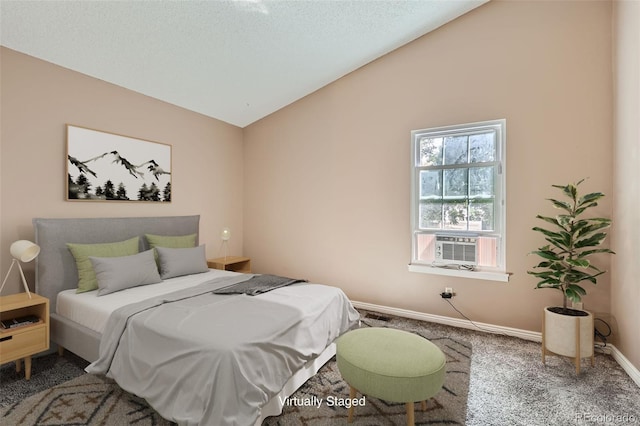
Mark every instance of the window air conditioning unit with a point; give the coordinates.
(455, 249)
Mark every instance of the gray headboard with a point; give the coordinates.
(55, 266)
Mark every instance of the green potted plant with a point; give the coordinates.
(566, 263)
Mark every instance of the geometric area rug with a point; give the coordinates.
(85, 400)
(95, 400)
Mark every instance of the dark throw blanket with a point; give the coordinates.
(258, 284)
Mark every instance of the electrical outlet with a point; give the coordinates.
(447, 293)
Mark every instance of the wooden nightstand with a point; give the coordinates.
(231, 263)
(21, 342)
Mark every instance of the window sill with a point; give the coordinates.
(478, 275)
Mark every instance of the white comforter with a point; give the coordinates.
(205, 359)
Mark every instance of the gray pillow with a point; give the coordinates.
(119, 273)
(175, 262)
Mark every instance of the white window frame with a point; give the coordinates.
(486, 273)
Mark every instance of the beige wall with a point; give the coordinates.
(39, 98)
(327, 178)
(626, 232)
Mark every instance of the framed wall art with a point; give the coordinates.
(104, 166)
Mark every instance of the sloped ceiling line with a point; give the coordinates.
(234, 60)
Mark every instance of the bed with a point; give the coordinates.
(238, 359)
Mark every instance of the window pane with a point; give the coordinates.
(430, 152)
(430, 184)
(482, 147)
(455, 216)
(481, 215)
(430, 215)
(455, 182)
(481, 181)
(455, 150)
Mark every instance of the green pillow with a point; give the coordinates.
(180, 241)
(86, 276)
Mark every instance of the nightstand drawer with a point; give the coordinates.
(22, 343)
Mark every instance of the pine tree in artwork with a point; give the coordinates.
(121, 193)
(167, 192)
(84, 186)
(154, 192)
(109, 191)
(143, 193)
(73, 188)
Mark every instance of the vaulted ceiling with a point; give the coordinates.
(234, 60)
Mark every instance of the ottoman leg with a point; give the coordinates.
(410, 414)
(352, 394)
(423, 405)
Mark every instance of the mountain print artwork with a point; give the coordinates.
(105, 166)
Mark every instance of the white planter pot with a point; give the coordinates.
(566, 335)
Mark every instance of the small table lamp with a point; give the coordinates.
(22, 251)
(225, 235)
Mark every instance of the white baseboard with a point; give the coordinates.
(626, 365)
(535, 336)
(455, 322)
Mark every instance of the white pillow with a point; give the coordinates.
(119, 273)
(175, 262)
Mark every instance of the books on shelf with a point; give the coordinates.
(19, 322)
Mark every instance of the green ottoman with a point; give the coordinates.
(392, 365)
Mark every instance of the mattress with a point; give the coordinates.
(201, 358)
(93, 311)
